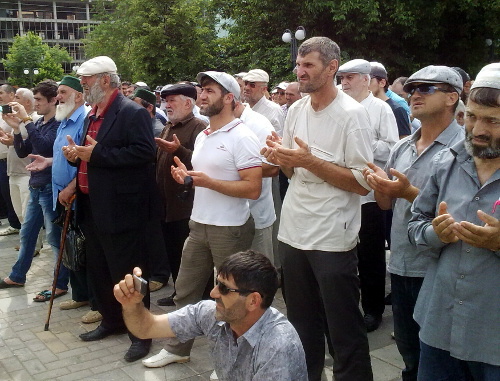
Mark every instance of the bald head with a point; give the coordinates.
(292, 93)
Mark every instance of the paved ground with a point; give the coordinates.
(27, 352)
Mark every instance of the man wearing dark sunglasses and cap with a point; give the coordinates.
(434, 95)
(249, 340)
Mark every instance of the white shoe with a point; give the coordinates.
(213, 376)
(9, 231)
(164, 358)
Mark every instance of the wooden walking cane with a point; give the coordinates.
(59, 258)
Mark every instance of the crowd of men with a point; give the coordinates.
(310, 182)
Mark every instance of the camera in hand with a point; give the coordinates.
(6, 109)
(140, 284)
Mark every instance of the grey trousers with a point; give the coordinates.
(207, 246)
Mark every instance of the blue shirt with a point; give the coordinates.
(270, 350)
(405, 259)
(458, 307)
(399, 100)
(62, 172)
(39, 142)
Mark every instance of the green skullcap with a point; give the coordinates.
(148, 96)
(72, 82)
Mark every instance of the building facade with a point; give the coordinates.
(56, 22)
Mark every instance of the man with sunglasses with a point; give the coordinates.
(254, 91)
(456, 220)
(249, 339)
(434, 94)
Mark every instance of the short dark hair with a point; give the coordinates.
(386, 86)
(47, 89)
(328, 50)
(401, 80)
(252, 270)
(485, 96)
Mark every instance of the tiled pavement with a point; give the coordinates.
(27, 352)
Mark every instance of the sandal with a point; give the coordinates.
(44, 295)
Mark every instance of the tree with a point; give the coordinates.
(403, 35)
(155, 41)
(29, 52)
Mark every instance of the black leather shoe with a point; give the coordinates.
(100, 333)
(372, 322)
(168, 301)
(137, 350)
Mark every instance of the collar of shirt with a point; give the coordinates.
(111, 100)
(254, 334)
(74, 117)
(228, 127)
(444, 137)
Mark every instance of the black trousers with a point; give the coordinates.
(323, 288)
(109, 258)
(174, 236)
(371, 257)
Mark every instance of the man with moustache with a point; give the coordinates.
(326, 144)
(457, 216)
(226, 173)
(249, 339)
(177, 139)
(40, 211)
(116, 193)
(434, 94)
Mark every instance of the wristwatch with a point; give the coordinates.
(28, 118)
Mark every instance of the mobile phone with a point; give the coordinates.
(6, 109)
(140, 284)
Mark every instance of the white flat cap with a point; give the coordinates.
(256, 75)
(97, 65)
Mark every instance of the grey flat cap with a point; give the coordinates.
(435, 74)
(355, 66)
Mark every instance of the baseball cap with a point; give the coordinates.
(97, 65)
(225, 80)
(436, 74)
(378, 70)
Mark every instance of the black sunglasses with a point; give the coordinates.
(427, 89)
(224, 290)
(251, 84)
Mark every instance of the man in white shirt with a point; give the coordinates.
(355, 79)
(326, 143)
(226, 173)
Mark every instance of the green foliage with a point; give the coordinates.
(155, 41)
(404, 35)
(29, 52)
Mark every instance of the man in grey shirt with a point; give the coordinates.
(434, 94)
(456, 216)
(249, 339)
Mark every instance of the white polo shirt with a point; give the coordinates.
(316, 215)
(221, 155)
(262, 209)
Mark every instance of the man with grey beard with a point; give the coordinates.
(456, 222)
(117, 196)
(71, 112)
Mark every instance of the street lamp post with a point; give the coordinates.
(31, 73)
(288, 37)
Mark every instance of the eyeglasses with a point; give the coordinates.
(224, 290)
(427, 89)
(251, 84)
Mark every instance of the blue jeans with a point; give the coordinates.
(38, 212)
(404, 296)
(438, 365)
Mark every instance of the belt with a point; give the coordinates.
(3, 159)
